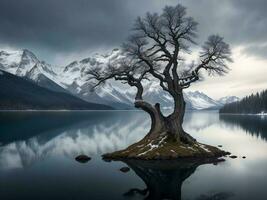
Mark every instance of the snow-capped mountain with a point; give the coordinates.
(17, 62)
(72, 78)
(199, 100)
(228, 99)
(25, 64)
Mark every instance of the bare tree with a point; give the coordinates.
(156, 51)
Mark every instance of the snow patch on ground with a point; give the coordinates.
(153, 146)
(204, 148)
(191, 148)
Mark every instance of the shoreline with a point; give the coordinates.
(62, 110)
(255, 114)
(84, 110)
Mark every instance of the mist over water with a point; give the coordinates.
(37, 151)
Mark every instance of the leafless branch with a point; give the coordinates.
(155, 48)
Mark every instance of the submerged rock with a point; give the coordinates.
(219, 145)
(124, 169)
(233, 156)
(83, 158)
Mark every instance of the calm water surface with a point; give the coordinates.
(37, 151)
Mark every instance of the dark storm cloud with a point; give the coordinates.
(63, 26)
(240, 21)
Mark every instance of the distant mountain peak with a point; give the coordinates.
(29, 53)
(70, 66)
(228, 99)
(198, 100)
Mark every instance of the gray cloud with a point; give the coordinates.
(259, 50)
(69, 26)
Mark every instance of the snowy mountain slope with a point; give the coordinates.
(73, 78)
(228, 99)
(199, 100)
(25, 64)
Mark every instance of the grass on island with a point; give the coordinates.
(165, 147)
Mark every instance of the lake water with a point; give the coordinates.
(37, 151)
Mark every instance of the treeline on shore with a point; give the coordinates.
(252, 104)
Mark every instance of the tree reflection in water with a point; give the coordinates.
(164, 179)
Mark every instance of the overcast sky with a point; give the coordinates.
(60, 31)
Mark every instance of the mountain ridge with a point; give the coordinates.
(72, 79)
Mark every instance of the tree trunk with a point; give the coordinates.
(176, 119)
(170, 125)
(157, 119)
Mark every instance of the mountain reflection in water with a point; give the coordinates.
(39, 135)
(92, 133)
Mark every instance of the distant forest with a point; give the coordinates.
(255, 103)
